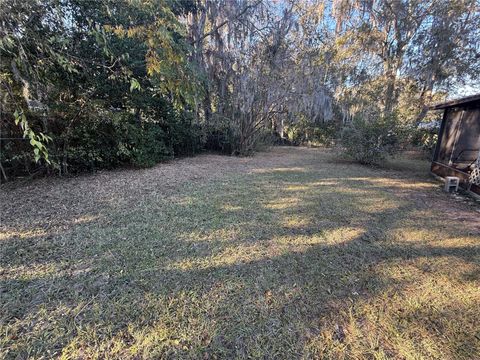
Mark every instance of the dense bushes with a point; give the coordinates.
(425, 137)
(306, 132)
(220, 137)
(224, 137)
(105, 143)
(102, 91)
(369, 141)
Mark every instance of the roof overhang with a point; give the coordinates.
(456, 102)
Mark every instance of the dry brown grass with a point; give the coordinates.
(289, 254)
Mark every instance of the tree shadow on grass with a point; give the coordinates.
(186, 290)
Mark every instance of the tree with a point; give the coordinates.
(258, 73)
(431, 42)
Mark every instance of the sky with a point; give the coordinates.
(467, 90)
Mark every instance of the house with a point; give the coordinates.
(458, 146)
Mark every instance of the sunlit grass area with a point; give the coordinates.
(290, 254)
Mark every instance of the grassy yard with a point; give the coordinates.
(290, 254)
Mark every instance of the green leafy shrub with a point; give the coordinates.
(274, 138)
(323, 134)
(93, 144)
(221, 137)
(105, 142)
(369, 141)
(267, 138)
(149, 146)
(307, 133)
(108, 143)
(425, 137)
(185, 137)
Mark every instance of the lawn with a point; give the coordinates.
(293, 253)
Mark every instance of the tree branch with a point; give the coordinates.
(223, 23)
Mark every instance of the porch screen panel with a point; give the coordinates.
(468, 139)
(447, 141)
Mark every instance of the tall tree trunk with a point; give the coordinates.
(425, 98)
(207, 107)
(390, 77)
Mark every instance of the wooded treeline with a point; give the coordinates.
(98, 84)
